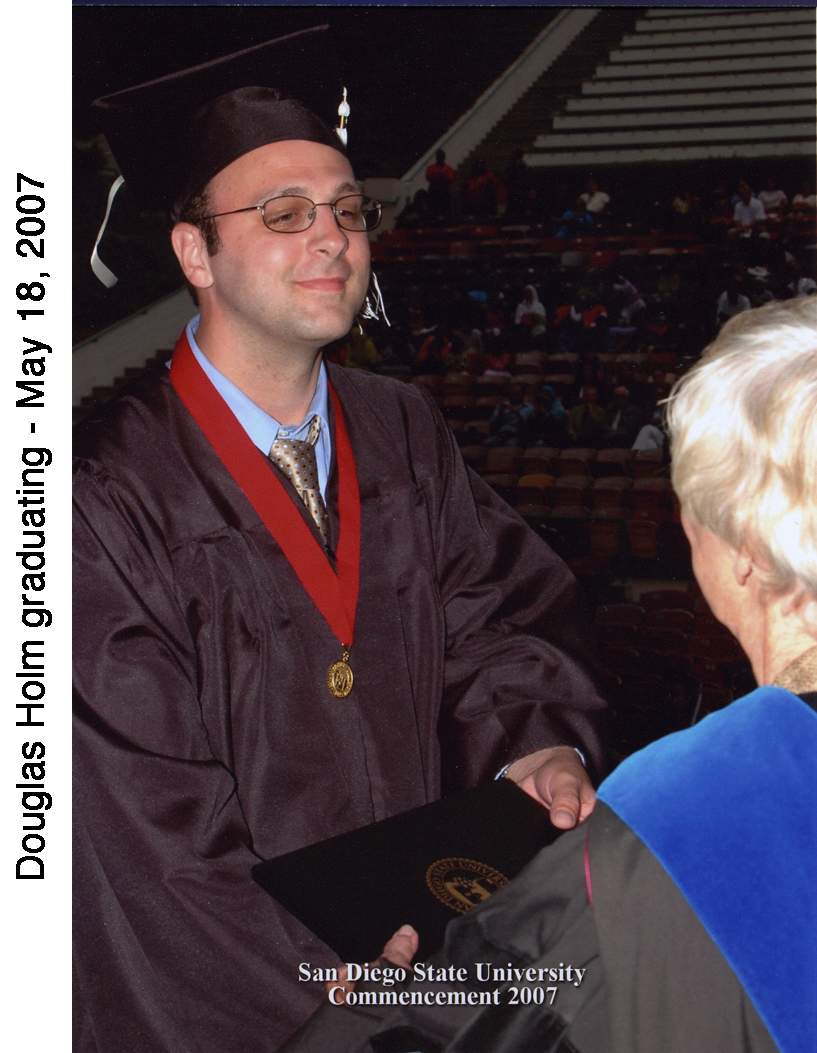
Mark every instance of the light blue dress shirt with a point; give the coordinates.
(261, 428)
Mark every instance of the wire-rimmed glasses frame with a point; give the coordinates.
(287, 215)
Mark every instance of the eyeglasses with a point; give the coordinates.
(291, 215)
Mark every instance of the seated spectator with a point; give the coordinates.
(731, 302)
(417, 327)
(530, 311)
(577, 324)
(622, 420)
(497, 361)
(697, 868)
(569, 327)
(479, 192)
(749, 216)
(440, 178)
(632, 301)
(659, 333)
(576, 221)
(547, 425)
(720, 210)
(595, 200)
(686, 211)
(585, 422)
(435, 353)
(473, 350)
(592, 311)
(801, 284)
(804, 203)
(773, 199)
(652, 436)
(717, 196)
(416, 213)
(506, 426)
(758, 286)
(682, 202)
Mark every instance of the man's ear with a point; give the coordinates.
(743, 566)
(191, 252)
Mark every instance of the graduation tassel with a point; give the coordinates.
(373, 304)
(343, 113)
(105, 274)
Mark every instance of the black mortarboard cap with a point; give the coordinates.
(171, 135)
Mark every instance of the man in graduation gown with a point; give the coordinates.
(260, 665)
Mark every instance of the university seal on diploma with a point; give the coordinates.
(463, 883)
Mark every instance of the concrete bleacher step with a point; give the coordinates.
(735, 64)
(769, 95)
(683, 82)
(98, 395)
(101, 394)
(712, 50)
(702, 35)
(751, 132)
(680, 20)
(687, 84)
(692, 117)
(595, 156)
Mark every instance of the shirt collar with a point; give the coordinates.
(259, 425)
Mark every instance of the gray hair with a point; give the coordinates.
(743, 434)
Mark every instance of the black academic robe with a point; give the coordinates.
(205, 736)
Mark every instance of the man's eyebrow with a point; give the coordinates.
(305, 191)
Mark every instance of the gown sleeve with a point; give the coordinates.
(520, 665)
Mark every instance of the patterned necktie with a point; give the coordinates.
(296, 459)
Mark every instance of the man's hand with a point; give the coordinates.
(400, 949)
(557, 779)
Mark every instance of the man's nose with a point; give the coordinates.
(326, 232)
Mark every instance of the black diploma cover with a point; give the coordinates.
(425, 868)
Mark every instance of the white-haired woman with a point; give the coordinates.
(682, 916)
(743, 428)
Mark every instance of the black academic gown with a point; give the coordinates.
(205, 736)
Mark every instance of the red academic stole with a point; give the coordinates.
(334, 594)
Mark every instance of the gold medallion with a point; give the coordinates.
(340, 678)
(463, 883)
